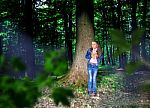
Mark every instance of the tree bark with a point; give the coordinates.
(107, 50)
(27, 40)
(135, 53)
(104, 33)
(70, 40)
(85, 34)
(68, 32)
(143, 44)
(122, 56)
(1, 40)
(111, 55)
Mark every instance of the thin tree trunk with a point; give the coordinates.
(122, 57)
(143, 44)
(118, 26)
(135, 53)
(68, 33)
(107, 50)
(27, 39)
(70, 39)
(111, 55)
(104, 34)
(1, 44)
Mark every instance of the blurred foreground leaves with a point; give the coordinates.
(146, 86)
(118, 39)
(132, 66)
(17, 64)
(56, 62)
(18, 93)
(60, 94)
(124, 45)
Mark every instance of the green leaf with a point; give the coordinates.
(136, 36)
(44, 80)
(132, 66)
(2, 61)
(17, 64)
(18, 93)
(56, 63)
(6, 101)
(61, 94)
(146, 86)
(119, 40)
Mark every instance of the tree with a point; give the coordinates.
(1, 45)
(143, 41)
(122, 56)
(67, 16)
(135, 53)
(85, 35)
(27, 39)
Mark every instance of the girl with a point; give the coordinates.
(93, 55)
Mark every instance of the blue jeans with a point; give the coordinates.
(92, 73)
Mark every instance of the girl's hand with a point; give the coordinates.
(94, 55)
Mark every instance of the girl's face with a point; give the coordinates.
(94, 45)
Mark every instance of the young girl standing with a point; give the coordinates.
(93, 56)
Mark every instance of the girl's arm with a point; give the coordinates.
(88, 55)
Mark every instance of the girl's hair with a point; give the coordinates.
(99, 50)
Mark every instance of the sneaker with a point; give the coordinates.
(95, 94)
(89, 93)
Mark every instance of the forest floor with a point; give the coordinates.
(115, 90)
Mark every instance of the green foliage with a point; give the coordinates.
(119, 40)
(24, 92)
(2, 61)
(17, 64)
(17, 93)
(56, 63)
(137, 35)
(132, 66)
(146, 86)
(111, 83)
(44, 80)
(117, 37)
(60, 94)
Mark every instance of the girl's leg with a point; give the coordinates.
(89, 80)
(94, 80)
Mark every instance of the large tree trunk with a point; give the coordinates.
(85, 34)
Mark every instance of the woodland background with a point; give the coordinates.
(50, 38)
